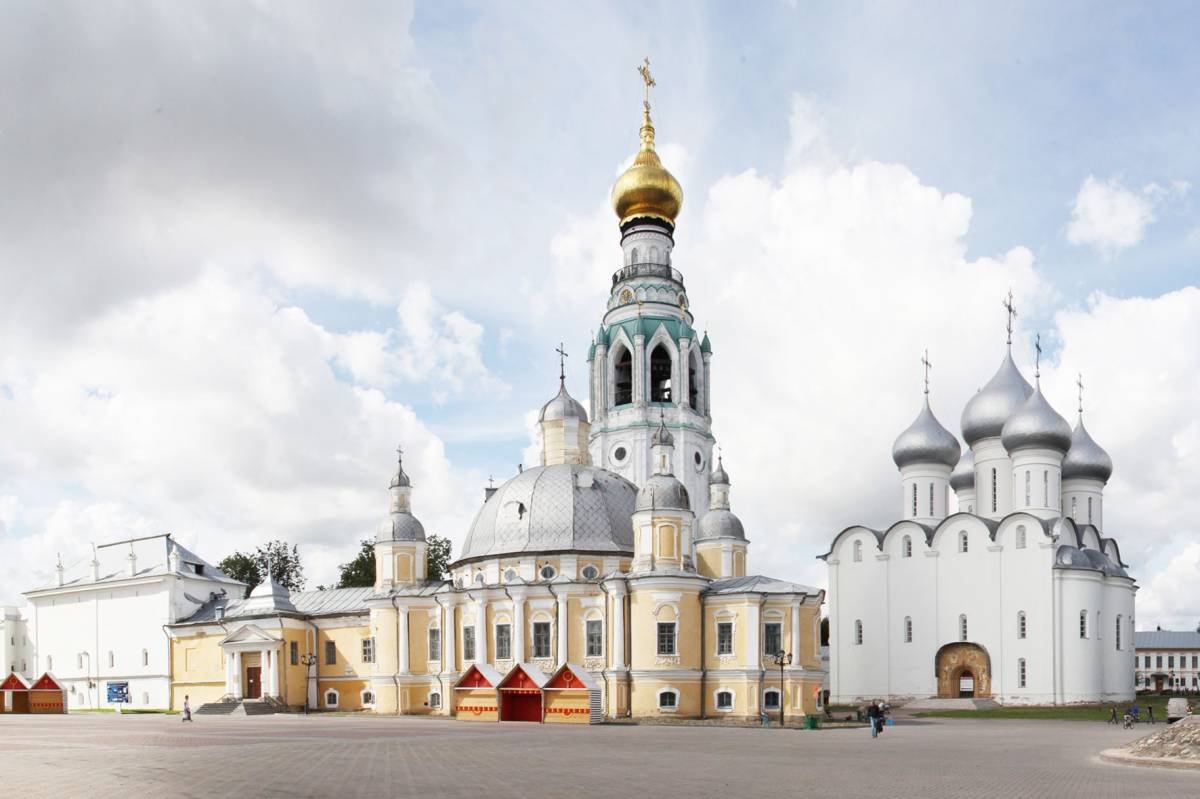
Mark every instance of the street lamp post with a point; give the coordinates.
(308, 659)
(782, 659)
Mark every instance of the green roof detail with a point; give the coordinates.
(706, 345)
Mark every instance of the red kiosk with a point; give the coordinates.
(47, 695)
(572, 696)
(475, 695)
(14, 694)
(521, 694)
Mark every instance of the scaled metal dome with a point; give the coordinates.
(926, 441)
(719, 475)
(401, 527)
(987, 411)
(647, 190)
(1036, 425)
(1086, 458)
(562, 406)
(720, 523)
(663, 491)
(963, 475)
(561, 508)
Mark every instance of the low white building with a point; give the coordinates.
(14, 642)
(102, 618)
(1168, 660)
(1018, 596)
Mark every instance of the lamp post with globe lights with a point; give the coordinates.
(782, 660)
(308, 659)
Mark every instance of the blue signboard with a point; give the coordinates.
(118, 693)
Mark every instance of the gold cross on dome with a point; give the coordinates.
(925, 362)
(647, 78)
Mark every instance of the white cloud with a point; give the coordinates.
(1169, 597)
(1109, 217)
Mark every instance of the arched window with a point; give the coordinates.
(914, 500)
(993, 490)
(1028, 502)
(668, 699)
(963, 541)
(331, 698)
(908, 629)
(858, 634)
(660, 374)
(1020, 672)
(1074, 506)
(857, 551)
(1020, 624)
(771, 699)
(633, 256)
(724, 700)
(1089, 510)
(623, 378)
(693, 383)
(962, 627)
(1021, 536)
(435, 699)
(1083, 624)
(906, 547)
(653, 255)
(1045, 489)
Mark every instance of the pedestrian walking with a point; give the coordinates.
(1112, 716)
(1150, 710)
(187, 708)
(873, 717)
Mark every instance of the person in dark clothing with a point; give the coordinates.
(873, 718)
(1150, 710)
(1112, 716)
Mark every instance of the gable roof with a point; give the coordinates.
(535, 675)
(758, 584)
(14, 682)
(579, 678)
(1166, 639)
(486, 672)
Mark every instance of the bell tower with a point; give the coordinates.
(647, 362)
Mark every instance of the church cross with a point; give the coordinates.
(400, 455)
(1079, 382)
(647, 78)
(1012, 313)
(1037, 363)
(562, 366)
(925, 362)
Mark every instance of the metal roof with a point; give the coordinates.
(1166, 639)
(758, 584)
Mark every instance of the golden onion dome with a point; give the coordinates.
(646, 189)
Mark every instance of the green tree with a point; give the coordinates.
(360, 572)
(251, 567)
(438, 554)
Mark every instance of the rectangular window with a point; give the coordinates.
(1021, 673)
(1195, 659)
(1170, 661)
(914, 493)
(594, 630)
(908, 629)
(666, 638)
(503, 641)
(1158, 661)
(330, 653)
(1027, 499)
(1118, 631)
(541, 639)
(368, 650)
(931, 499)
(993, 490)
(468, 643)
(1045, 489)
(435, 643)
(1146, 662)
(772, 638)
(724, 638)
(294, 653)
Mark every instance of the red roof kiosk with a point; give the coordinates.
(47, 695)
(14, 694)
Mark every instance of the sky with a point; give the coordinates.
(248, 249)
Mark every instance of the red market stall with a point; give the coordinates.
(521, 694)
(573, 697)
(47, 695)
(14, 694)
(475, 695)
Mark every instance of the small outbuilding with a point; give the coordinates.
(14, 694)
(47, 695)
(573, 697)
(521, 693)
(476, 695)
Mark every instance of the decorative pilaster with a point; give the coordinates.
(402, 632)
(481, 632)
(562, 629)
(796, 633)
(238, 691)
(518, 638)
(640, 367)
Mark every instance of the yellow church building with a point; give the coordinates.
(609, 581)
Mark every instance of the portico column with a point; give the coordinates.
(481, 637)
(264, 673)
(275, 669)
(402, 632)
(229, 673)
(562, 630)
(449, 635)
(238, 690)
(618, 627)
(518, 639)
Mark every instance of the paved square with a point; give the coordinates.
(290, 756)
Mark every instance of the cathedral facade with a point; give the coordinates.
(1019, 596)
(616, 564)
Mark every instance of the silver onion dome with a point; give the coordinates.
(1036, 425)
(400, 479)
(926, 441)
(1086, 458)
(401, 527)
(662, 437)
(963, 476)
(719, 475)
(1000, 398)
(720, 523)
(562, 406)
(663, 492)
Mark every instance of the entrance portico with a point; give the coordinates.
(963, 671)
(252, 663)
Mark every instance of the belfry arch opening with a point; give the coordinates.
(660, 374)
(623, 378)
(693, 384)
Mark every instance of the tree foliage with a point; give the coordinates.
(360, 572)
(251, 567)
(438, 553)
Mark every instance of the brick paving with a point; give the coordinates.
(289, 756)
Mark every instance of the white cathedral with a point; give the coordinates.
(1018, 596)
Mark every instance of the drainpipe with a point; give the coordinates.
(762, 604)
(316, 664)
(396, 673)
(557, 626)
(703, 656)
(170, 671)
(441, 654)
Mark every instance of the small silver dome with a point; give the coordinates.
(664, 492)
(926, 441)
(401, 527)
(400, 478)
(562, 406)
(719, 476)
(662, 436)
(1086, 458)
(963, 476)
(720, 523)
(1070, 557)
(989, 409)
(1036, 425)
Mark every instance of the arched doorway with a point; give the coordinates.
(964, 670)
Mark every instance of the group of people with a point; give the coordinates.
(1132, 716)
(877, 713)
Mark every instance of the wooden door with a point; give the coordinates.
(254, 682)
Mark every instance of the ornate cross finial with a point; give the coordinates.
(1037, 363)
(1012, 314)
(491, 482)
(562, 355)
(400, 456)
(925, 362)
(647, 78)
(1079, 383)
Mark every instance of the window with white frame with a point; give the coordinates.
(962, 627)
(1021, 629)
(510, 575)
(858, 632)
(1045, 488)
(666, 638)
(435, 699)
(908, 629)
(435, 643)
(548, 572)
(857, 551)
(668, 699)
(541, 639)
(330, 653)
(1083, 624)
(724, 638)
(1021, 537)
(367, 697)
(963, 541)
(331, 698)
(772, 637)
(1028, 502)
(1089, 510)
(724, 700)
(503, 641)
(906, 547)
(771, 699)
(1020, 672)
(368, 650)
(469, 642)
(590, 572)
(49, 663)
(594, 638)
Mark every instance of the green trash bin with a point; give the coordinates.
(811, 722)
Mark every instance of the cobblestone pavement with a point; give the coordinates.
(289, 756)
